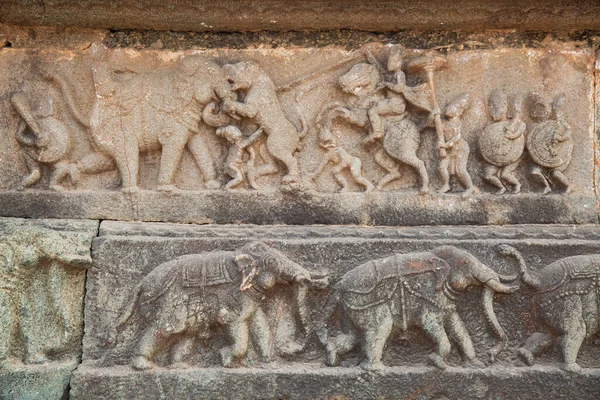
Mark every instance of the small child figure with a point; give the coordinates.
(235, 158)
(457, 149)
(341, 160)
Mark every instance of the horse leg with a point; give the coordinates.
(390, 166)
(411, 159)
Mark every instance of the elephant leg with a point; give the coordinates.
(536, 173)
(180, 351)
(170, 159)
(534, 345)
(458, 333)
(127, 159)
(574, 331)
(341, 344)
(259, 328)
(434, 329)
(489, 175)
(199, 149)
(29, 331)
(60, 172)
(151, 342)
(238, 331)
(375, 338)
(8, 322)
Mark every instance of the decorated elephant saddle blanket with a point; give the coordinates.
(208, 270)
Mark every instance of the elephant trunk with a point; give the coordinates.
(530, 280)
(213, 119)
(490, 316)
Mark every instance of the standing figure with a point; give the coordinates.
(502, 143)
(456, 148)
(549, 143)
(234, 166)
(44, 140)
(341, 160)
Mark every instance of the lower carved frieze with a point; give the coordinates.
(296, 312)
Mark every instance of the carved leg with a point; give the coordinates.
(534, 345)
(61, 171)
(127, 160)
(458, 332)
(560, 177)
(170, 159)
(508, 175)
(237, 175)
(375, 337)
(93, 163)
(151, 341)
(463, 175)
(536, 173)
(574, 329)
(434, 329)
(338, 174)
(270, 165)
(34, 171)
(419, 165)
(489, 175)
(8, 323)
(29, 324)
(197, 146)
(444, 174)
(341, 344)
(180, 351)
(238, 330)
(251, 169)
(389, 165)
(356, 171)
(259, 328)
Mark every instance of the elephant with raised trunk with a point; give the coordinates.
(413, 290)
(183, 299)
(566, 300)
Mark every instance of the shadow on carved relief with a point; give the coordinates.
(379, 118)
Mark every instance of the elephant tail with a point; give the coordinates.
(332, 305)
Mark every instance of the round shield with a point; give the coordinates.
(59, 140)
(543, 147)
(496, 148)
(401, 136)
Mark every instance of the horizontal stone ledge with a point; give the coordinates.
(378, 208)
(380, 15)
(36, 382)
(315, 382)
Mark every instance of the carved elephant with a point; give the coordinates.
(142, 112)
(183, 298)
(23, 254)
(566, 299)
(412, 290)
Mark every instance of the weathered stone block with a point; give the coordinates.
(42, 278)
(272, 135)
(181, 301)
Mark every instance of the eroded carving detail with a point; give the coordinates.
(182, 299)
(413, 290)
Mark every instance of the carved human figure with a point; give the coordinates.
(23, 256)
(182, 298)
(340, 161)
(454, 162)
(565, 298)
(158, 110)
(412, 290)
(387, 119)
(502, 143)
(44, 140)
(239, 146)
(262, 106)
(549, 142)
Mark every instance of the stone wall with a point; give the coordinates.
(321, 200)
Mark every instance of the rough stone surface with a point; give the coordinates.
(128, 258)
(42, 281)
(285, 129)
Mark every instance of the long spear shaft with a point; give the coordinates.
(439, 129)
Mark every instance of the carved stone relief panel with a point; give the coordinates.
(378, 135)
(168, 306)
(42, 278)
